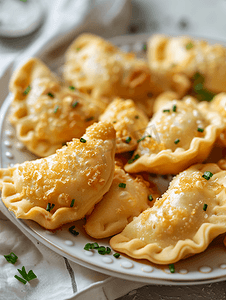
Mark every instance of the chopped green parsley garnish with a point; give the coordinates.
(174, 108)
(207, 175)
(77, 49)
(90, 246)
(116, 255)
(74, 104)
(144, 137)
(27, 276)
(11, 258)
(136, 117)
(71, 87)
(20, 279)
(64, 144)
(128, 140)
(166, 110)
(56, 109)
(189, 46)
(144, 47)
(89, 119)
(102, 250)
(82, 140)
(72, 202)
(50, 207)
(122, 185)
(205, 207)
(200, 129)
(172, 268)
(73, 231)
(114, 122)
(200, 92)
(150, 198)
(176, 141)
(27, 90)
(130, 161)
(50, 95)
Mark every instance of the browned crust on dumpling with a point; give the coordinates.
(82, 170)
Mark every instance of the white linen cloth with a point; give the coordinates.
(57, 278)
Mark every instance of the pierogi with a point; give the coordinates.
(183, 222)
(65, 186)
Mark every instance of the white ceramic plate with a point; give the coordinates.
(209, 266)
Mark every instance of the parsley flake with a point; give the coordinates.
(145, 47)
(27, 276)
(136, 117)
(116, 255)
(200, 92)
(174, 108)
(77, 49)
(74, 104)
(189, 46)
(90, 246)
(82, 140)
(73, 231)
(56, 109)
(166, 110)
(11, 258)
(207, 175)
(71, 87)
(20, 279)
(89, 119)
(144, 137)
(205, 207)
(50, 207)
(172, 268)
(102, 250)
(150, 198)
(72, 202)
(200, 129)
(176, 141)
(128, 140)
(50, 95)
(122, 185)
(27, 90)
(130, 161)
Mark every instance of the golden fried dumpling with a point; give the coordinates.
(219, 104)
(97, 67)
(46, 113)
(175, 63)
(66, 185)
(180, 134)
(128, 121)
(127, 198)
(183, 222)
(163, 98)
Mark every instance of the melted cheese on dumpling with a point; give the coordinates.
(182, 222)
(82, 171)
(128, 121)
(181, 133)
